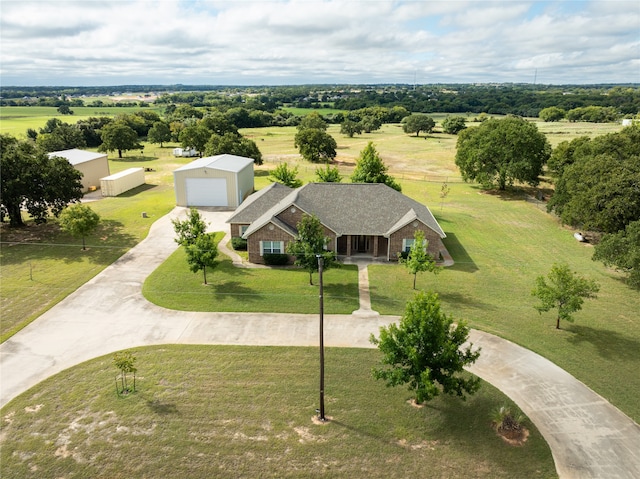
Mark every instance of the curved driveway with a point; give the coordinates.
(589, 438)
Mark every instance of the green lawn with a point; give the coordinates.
(229, 288)
(213, 411)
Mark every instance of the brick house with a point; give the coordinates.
(360, 219)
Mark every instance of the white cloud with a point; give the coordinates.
(311, 41)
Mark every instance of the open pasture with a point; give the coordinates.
(16, 120)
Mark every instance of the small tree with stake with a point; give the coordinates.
(418, 260)
(79, 220)
(125, 362)
(564, 290)
(188, 230)
(202, 254)
(309, 244)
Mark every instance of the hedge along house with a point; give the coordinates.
(368, 220)
(93, 166)
(222, 180)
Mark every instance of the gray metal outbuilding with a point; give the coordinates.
(93, 166)
(222, 180)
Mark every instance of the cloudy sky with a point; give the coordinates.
(269, 42)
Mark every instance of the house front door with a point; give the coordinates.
(361, 243)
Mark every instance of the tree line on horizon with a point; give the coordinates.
(496, 99)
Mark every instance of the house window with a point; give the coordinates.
(243, 229)
(271, 247)
(407, 243)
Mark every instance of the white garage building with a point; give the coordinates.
(222, 180)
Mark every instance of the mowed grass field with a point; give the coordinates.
(16, 120)
(230, 412)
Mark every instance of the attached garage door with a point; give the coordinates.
(206, 191)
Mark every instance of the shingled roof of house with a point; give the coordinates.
(352, 208)
(256, 204)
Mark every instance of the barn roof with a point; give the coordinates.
(224, 162)
(76, 156)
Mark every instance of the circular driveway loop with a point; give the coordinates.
(589, 438)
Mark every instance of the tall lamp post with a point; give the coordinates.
(320, 265)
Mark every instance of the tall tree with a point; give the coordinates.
(315, 145)
(62, 137)
(312, 121)
(425, 351)
(552, 113)
(371, 169)
(418, 122)
(202, 254)
(159, 133)
(563, 290)
(454, 124)
(598, 187)
(233, 144)
(189, 229)
(119, 137)
(35, 182)
(349, 127)
(622, 251)
(194, 136)
(418, 260)
(309, 244)
(501, 152)
(79, 220)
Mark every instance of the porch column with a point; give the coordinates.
(348, 245)
(375, 246)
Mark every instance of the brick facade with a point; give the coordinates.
(407, 232)
(268, 232)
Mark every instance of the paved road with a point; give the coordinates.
(588, 437)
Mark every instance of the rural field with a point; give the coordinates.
(240, 412)
(229, 398)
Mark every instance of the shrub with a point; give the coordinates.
(276, 259)
(238, 243)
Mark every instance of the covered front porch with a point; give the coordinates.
(370, 246)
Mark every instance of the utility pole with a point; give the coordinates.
(321, 411)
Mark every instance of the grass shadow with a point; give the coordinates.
(137, 190)
(162, 408)
(360, 432)
(133, 159)
(342, 293)
(462, 259)
(107, 243)
(609, 344)
(465, 300)
(236, 289)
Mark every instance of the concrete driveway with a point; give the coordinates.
(589, 438)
